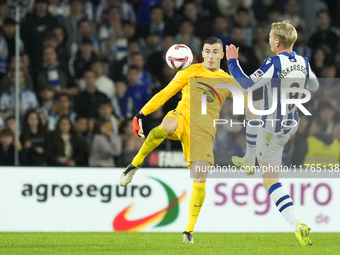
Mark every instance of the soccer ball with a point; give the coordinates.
(179, 57)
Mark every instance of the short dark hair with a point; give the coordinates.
(242, 9)
(79, 117)
(86, 41)
(122, 80)
(155, 7)
(274, 8)
(9, 22)
(136, 54)
(133, 67)
(190, 2)
(12, 117)
(237, 26)
(326, 105)
(6, 132)
(300, 29)
(105, 102)
(41, 1)
(49, 47)
(50, 36)
(129, 23)
(72, 1)
(83, 20)
(188, 21)
(132, 40)
(63, 95)
(212, 40)
(98, 123)
(96, 60)
(220, 16)
(322, 11)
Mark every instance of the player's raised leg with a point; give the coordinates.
(199, 170)
(284, 202)
(155, 137)
(252, 126)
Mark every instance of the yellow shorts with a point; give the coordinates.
(197, 144)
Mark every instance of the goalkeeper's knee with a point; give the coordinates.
(158, 133)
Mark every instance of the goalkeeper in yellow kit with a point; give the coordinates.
(180, 123)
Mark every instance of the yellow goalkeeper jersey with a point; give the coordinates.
(192, 90)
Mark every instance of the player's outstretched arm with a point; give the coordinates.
(165, 94)
(255, 80)
(158, 100)
(176, 84)
(235, 69)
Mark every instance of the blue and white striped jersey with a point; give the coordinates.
(286, 70)
(27, 98)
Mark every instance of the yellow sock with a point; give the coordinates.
(155, 137)
(195, 204)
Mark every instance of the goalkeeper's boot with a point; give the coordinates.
(302, 234)
(238, 162)
(187, 237)
(128, 174)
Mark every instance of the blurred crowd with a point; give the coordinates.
(88, 66)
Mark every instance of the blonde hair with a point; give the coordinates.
(285, 32)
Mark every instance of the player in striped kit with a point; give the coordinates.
(285, 70)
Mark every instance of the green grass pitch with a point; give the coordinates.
(164, 243)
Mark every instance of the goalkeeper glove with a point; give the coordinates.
(137, 125)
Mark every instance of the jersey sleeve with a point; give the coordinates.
(313, 83)
(230, 95)
(255, 80)
(177, 83)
